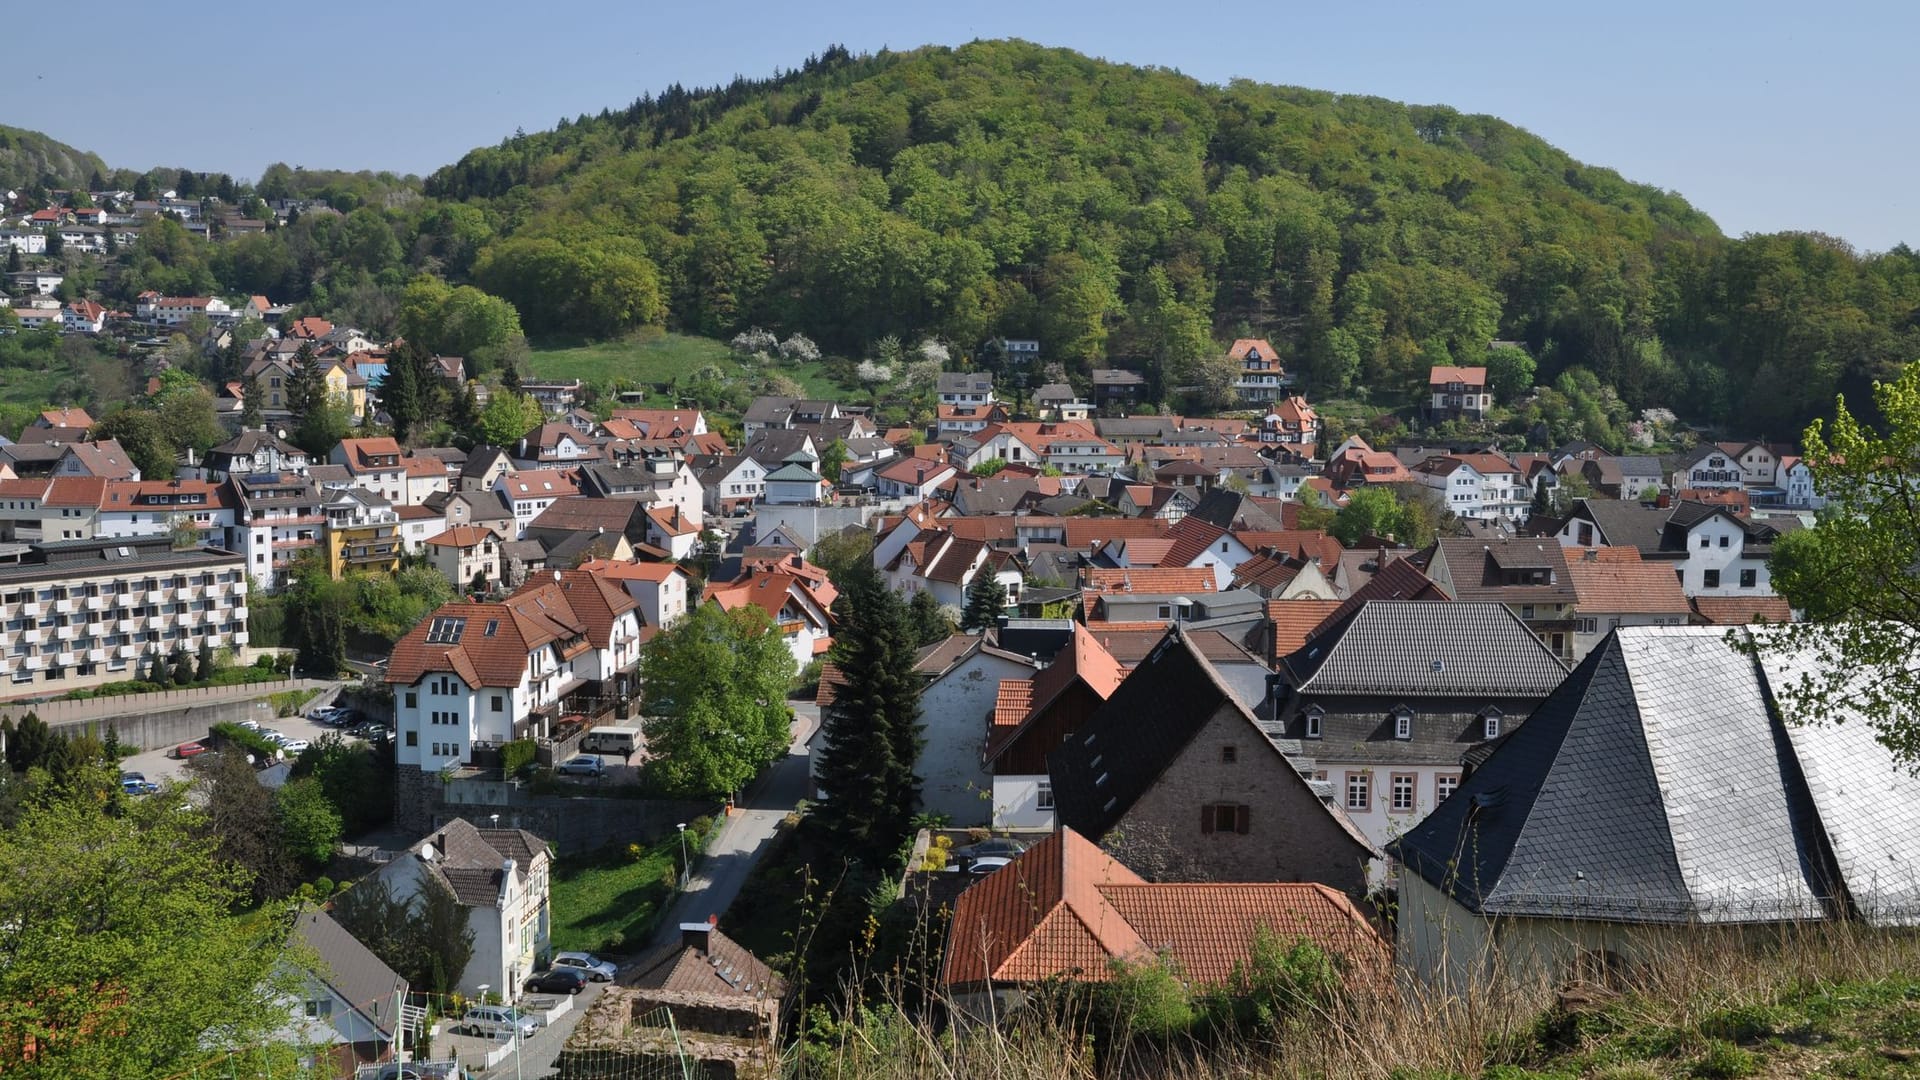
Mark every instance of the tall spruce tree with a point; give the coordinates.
(872, 730)
(986, 600)
(401, 392)
(306, 390)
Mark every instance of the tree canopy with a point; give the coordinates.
(716, 699)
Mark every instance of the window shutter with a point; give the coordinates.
(1206, 819)
(1241, 819)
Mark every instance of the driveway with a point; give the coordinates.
(731, 857)
(158, 765)
(537, 1053)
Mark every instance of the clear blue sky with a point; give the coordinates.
(1766, 115)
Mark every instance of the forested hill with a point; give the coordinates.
(29, 159)
(1123, 212)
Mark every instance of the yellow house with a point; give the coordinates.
(366, 548)
(346, 387)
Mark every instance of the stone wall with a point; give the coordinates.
(157, 728)
(424, 802)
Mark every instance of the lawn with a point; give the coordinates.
(608, 900)
(652, 358)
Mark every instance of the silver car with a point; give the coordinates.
(497, 1022)
(582, 765)
(595, 968)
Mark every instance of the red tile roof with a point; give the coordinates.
(1294, 621)
(1064, 908)
(575, 597)
(1084, 660)
(1084, 534)
(832, 681)
(460, 536)
(1614, 581)
(1150, 580)
(1010, 706)
(310, 328)
(1738, 610)
(1444, 373)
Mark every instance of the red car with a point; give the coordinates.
(188, 749)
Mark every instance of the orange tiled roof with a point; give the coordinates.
(1066, 908)
(1168, 579)
(578, 597)
(1011, 704)
(1738, 610)
(1614, 581)
(1083, 659)
(832, 681)
(1086, 533)
(1445, 373)
(460, 536)
(1294, 621)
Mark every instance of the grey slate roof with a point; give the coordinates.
(1658, 785)
(1625, 523)
(1425, 648)
(351, 969)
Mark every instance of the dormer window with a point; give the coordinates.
(1403, 723)
(1490, 724)
(1313, 716)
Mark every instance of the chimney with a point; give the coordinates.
(1590, 555)
(695, 935)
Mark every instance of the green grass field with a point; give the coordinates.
(598, 896)
(652, 358)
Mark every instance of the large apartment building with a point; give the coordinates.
(471, 678)
(74, 614)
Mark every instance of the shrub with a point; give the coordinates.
(1725, 1061)
(246, 739)
(518, 755)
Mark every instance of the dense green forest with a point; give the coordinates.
(1118, 214)
(29, 159)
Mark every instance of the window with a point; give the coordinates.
(1313, 722)
(1724, 540)
(1229, 755)
(1710, 579)
(413, 700)
(1359, 790)
(413, 738)
(1224, 818)
(1490, 725)
(1749, 578)
(1045, 799)
(498, 703)
(1403, 723)
(1402, 789)
(1526, 611)
(1704, 541)
(1584, 626)
(1443, 786)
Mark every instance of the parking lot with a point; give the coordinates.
(536, 1053)
(159, 765)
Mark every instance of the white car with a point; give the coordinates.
(294, 746)
(275, 737)
(987, 864)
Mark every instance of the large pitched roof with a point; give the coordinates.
(1294, 621)
(1486, 569)
(723, 967)
(1083, 660)
(1064, 908)
(360, 978)
(1661, 784)
(1414, 648)
(471, 861)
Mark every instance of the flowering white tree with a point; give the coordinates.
(757, 343)
(934, 351)
(799, 349)
(873, 373)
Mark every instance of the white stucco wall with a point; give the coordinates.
(954, 711)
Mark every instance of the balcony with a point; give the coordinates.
(96, 603)
(96, 656)
(32, 637)
(239, 638)
(63, 633)
(124, 652)
(240, 614)
(64, 659)
(31, 663)
(30, 608)
(124, 626)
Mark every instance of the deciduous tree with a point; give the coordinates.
(716, 685)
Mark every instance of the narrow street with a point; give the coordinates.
(717, 879)
(730, 858)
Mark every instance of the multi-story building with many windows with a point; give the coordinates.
(78, 613)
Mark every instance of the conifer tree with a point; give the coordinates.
(872, 730)
(401, 393)
(986, 600)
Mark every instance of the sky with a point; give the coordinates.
(1768, 116)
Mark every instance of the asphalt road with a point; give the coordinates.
(730, 859)
(537, 1054)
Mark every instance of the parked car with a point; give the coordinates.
(582, 765)
(294, 746)
(559, 980)
(188, 749)
(274, 737)
(1004, 846)
(126, 776)
(139, 787)
(250, 725)
(595, 968)
(497, 1022)
(987, 865)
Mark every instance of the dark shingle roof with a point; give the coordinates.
(1653, 786)
(1424, 648)
(351, 969)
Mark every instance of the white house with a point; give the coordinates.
(661, 589)
(912, 478)
(500, 876)
(530, 491)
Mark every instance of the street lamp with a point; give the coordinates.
(495, 818)
(685, 866)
